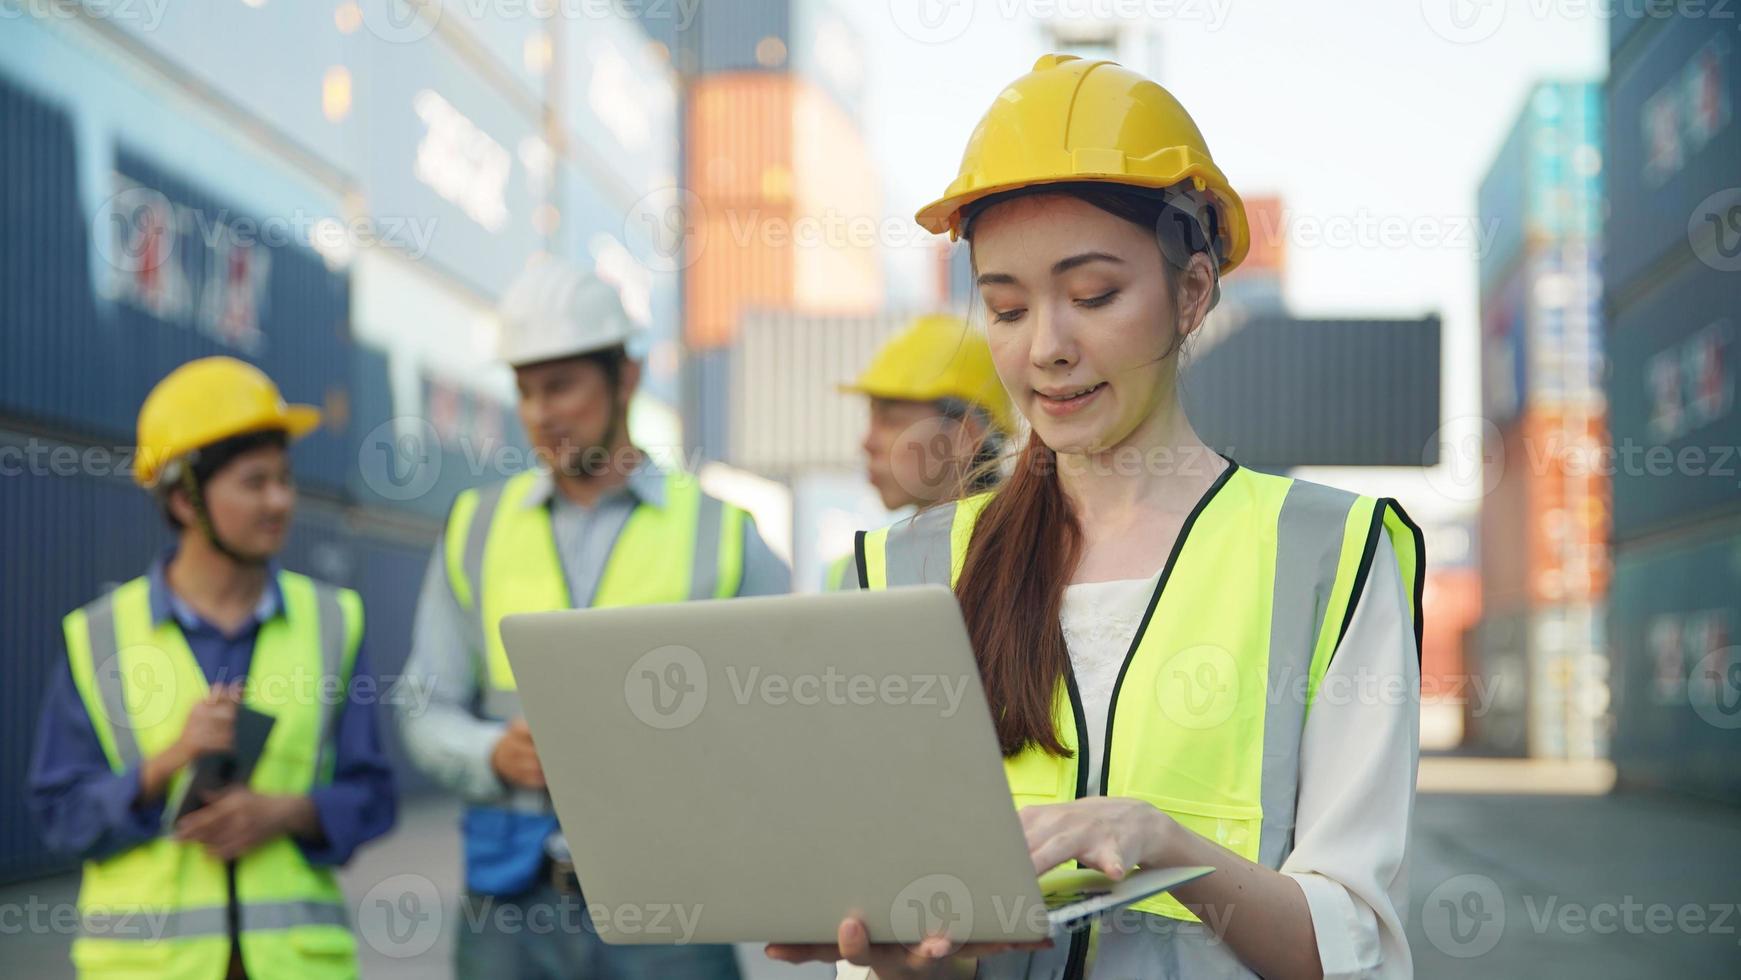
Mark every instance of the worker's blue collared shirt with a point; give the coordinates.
(85, 809)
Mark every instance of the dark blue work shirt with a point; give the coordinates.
(85, 809)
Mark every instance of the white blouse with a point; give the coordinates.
(1358, 757)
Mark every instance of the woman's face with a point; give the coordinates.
(1081, 320)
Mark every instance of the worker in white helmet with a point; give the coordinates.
(596, 523)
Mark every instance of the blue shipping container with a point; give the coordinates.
(1676, 612)
(1676, 363)
(1675, 155)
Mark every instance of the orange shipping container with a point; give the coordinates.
(788, 205)
(1544, 522)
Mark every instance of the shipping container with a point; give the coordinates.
(1545, 518)
(787, 412)
(1674, 166)
(1504, 346)
(1276, 392)
(1672, 395)
(1450, 607)
(707, 405)
(1569, 694)
(620, 100)
(784, 211)
(1676, 615)
(1545, 182)
(1628, 25)
(1498, 699)
(182, 274)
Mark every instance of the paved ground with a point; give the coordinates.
(1543, 885)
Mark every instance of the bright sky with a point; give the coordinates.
(1359, 113)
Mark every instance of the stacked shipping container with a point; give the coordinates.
(172, 193)
(1673, 267)
(1544, 520)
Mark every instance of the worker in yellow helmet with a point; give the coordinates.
(938, 419)
(176, 678)
(1167, 640)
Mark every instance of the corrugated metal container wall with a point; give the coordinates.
(707, 405)
(739, 166)
(69, 533)
(1677, 612)
(1500, 677)
(1672, 396)
(1568, 506)
(837, 258)
(1504, 524)
(1280, 392)
(732, 35)
(1504, 349)
(787, 414)
(1678, 143)
(1545, 183)
(276, 305)
(47, 312)
(181, 289)
(1499, 202)
(1624, 23)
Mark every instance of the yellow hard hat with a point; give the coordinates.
(938, 356)
(207, 401)
(1074, 120)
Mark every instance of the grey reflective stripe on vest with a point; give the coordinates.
(333, 636)
(477, 535)
(106, 672)
(704, 575)
(1308, 548)
(150, 925)
(917, 552)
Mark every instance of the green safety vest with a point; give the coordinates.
(161, 909)
(691, 547)
(1207, 714)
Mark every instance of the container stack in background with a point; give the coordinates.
(1538, 664)
(779, 201)
(1673, 314)
(181, 187)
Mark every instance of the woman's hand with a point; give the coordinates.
(1110, 834)
(934, 958)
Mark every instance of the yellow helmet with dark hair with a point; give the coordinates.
(938, 356)
(1075, 120)
(208, 401)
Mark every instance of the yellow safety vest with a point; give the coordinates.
(1207, 714)
(161, 909)
(690, 547)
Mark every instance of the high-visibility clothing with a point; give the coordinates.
(502, 559)
(162, 909)
(1206, 718)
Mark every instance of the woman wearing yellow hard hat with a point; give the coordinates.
(938, 418)
(176, 677)
(1189, 663)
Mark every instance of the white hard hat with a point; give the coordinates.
(556, 309)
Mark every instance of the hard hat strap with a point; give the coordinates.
(197, 500)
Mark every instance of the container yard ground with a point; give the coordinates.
(1518, 873)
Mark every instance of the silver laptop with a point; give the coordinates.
(753, 770)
